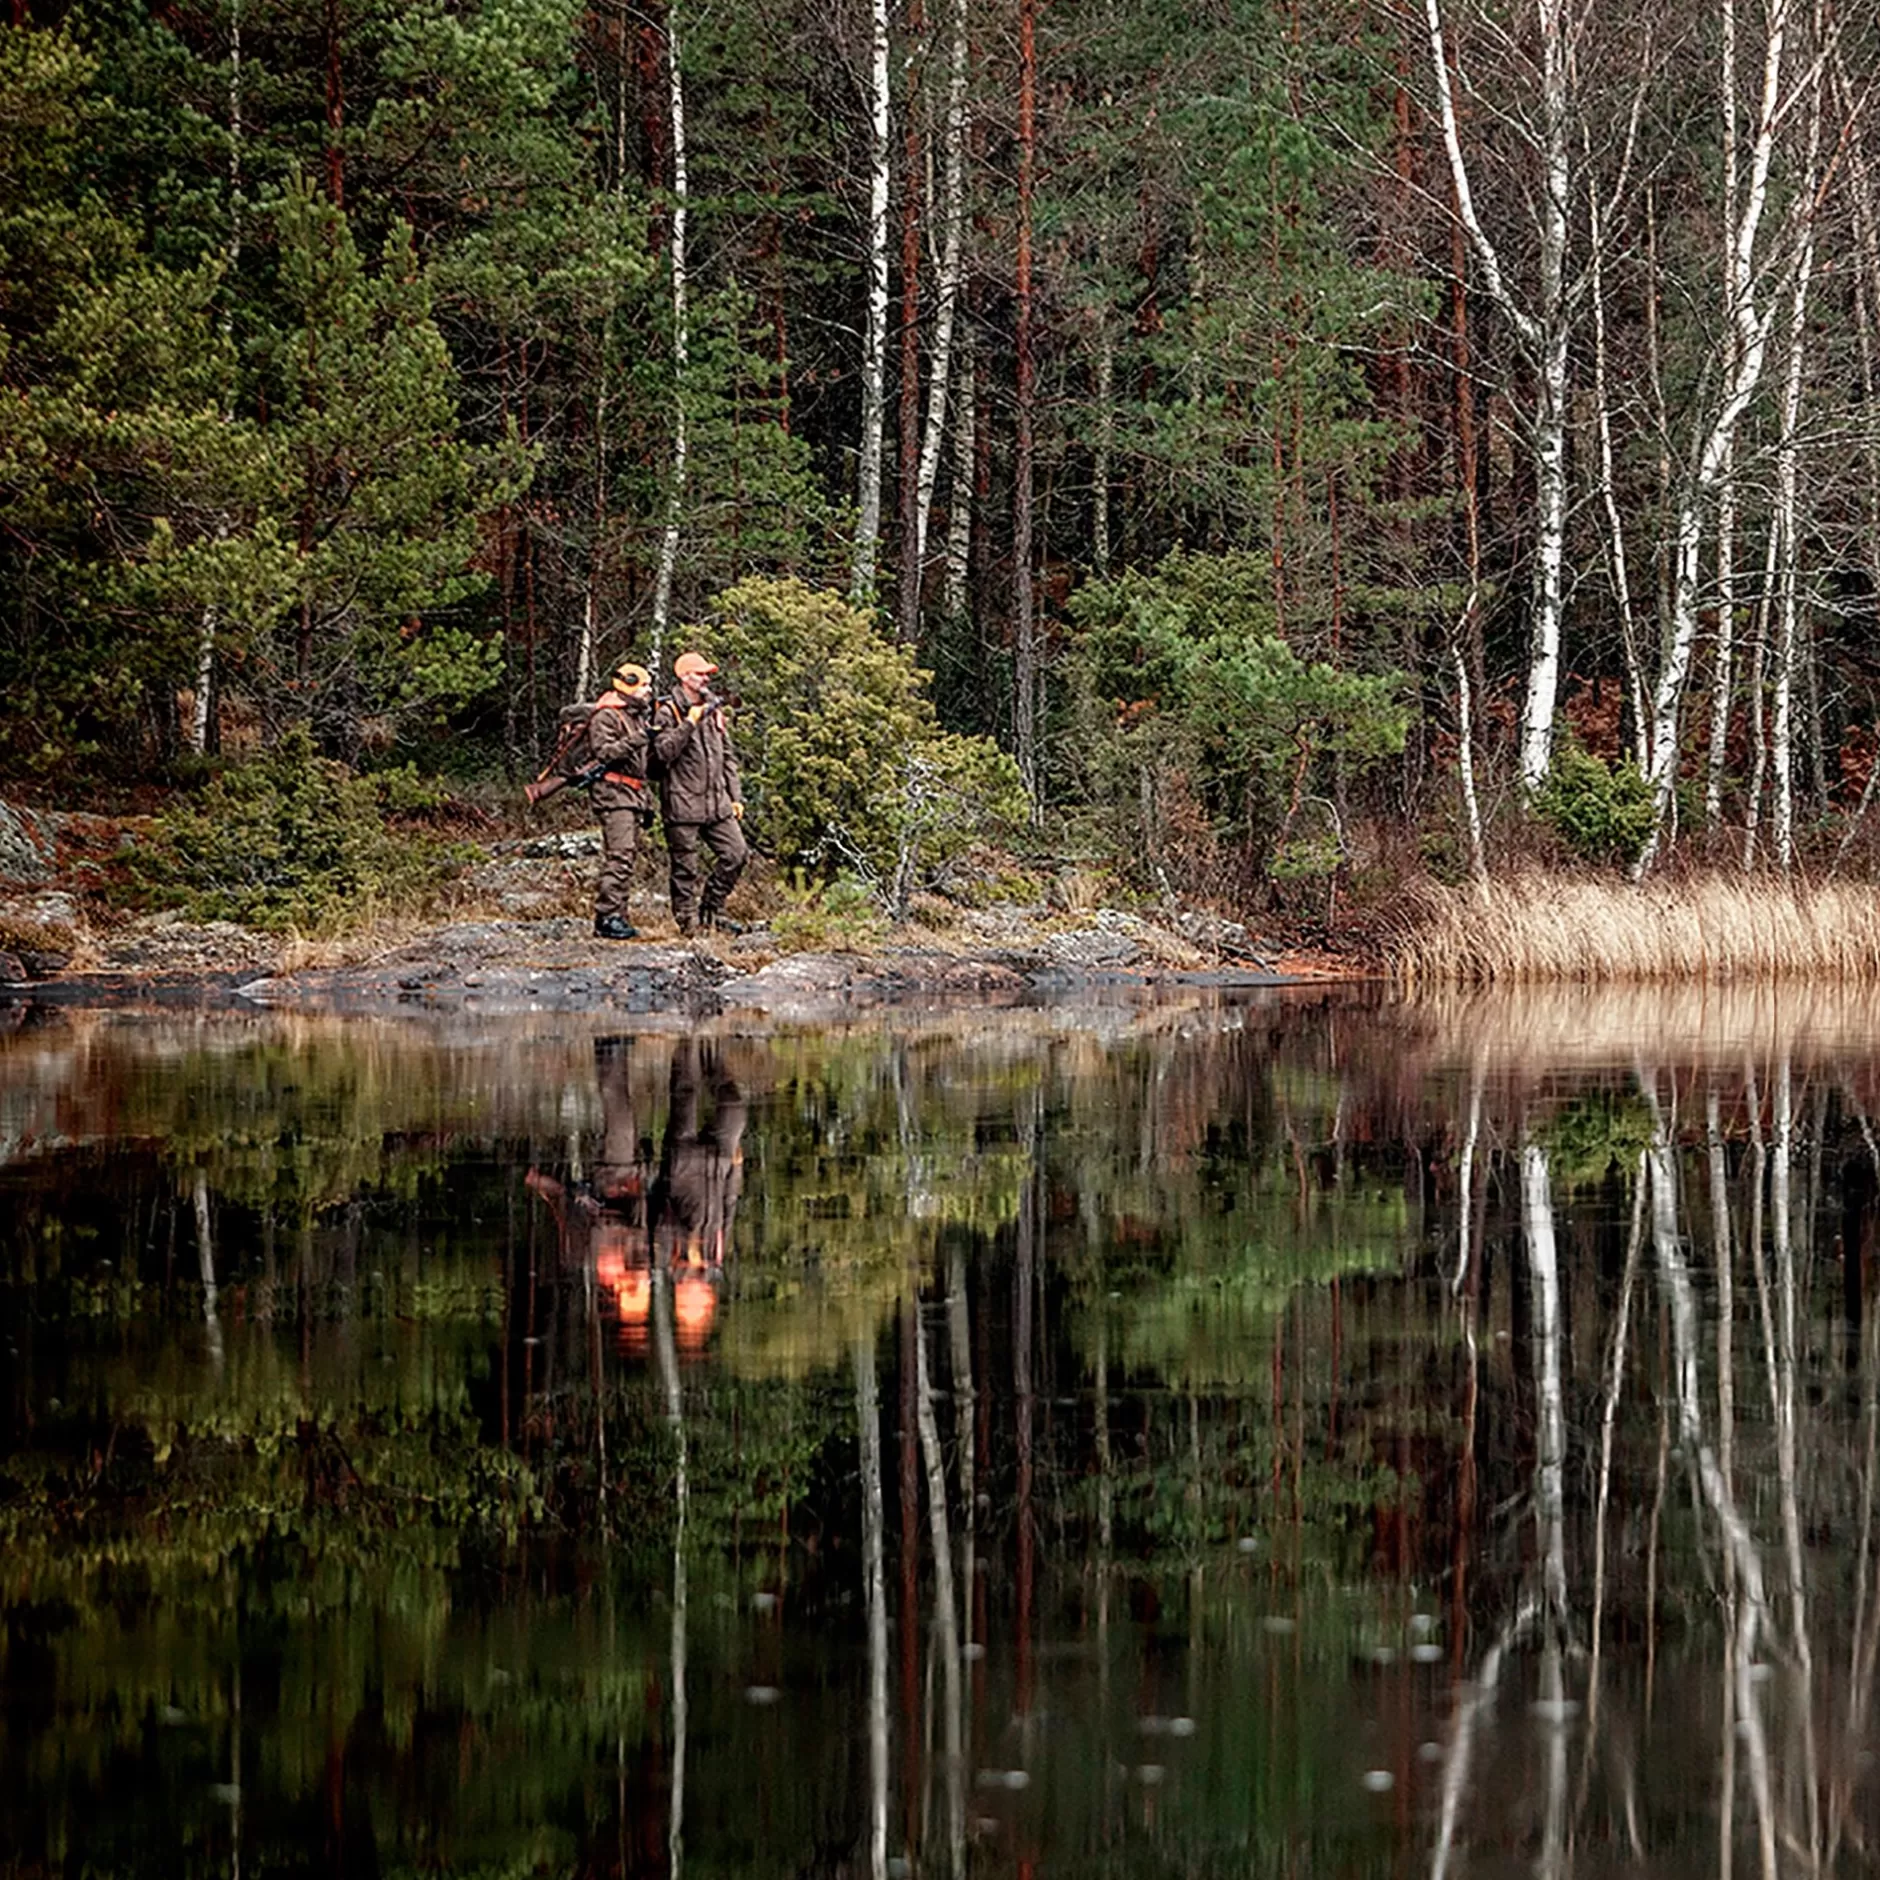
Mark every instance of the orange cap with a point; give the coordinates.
(693, 666)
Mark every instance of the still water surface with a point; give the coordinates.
(1296, 1435)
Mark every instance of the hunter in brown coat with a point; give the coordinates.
(617, 734)
(701, 801)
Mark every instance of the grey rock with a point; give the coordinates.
(1093, 947)
(26, 846)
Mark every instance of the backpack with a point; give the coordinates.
(573, 763)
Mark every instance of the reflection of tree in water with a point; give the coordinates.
(1690, 1493)
(1237, 1322)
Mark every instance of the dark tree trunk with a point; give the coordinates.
(335, 109)
(1024, 624)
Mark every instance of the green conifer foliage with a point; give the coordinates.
(121, 467)
(378, 496)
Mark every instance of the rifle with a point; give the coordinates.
(543, 788)
(575, 720)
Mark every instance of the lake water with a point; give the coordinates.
(1289, 1434)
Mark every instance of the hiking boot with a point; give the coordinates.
(612, 927)
(723, 923)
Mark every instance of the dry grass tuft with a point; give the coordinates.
(1550, 927)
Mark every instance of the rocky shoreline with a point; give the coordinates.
(518, 947)
(506, 968)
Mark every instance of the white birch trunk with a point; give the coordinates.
(589, 636)
(210, 623)
(1550, 418)
(960, 498)
(1749, 343)
(1465, 746)
(1726, 494)
(1609, 496)
(205, 679)
(1782, 703)
(875, 340)
(1758, 724)
(675, 496)
(1782, 746)
(1723, 678)
(952, 269)
(584, 647)
(1544, 334)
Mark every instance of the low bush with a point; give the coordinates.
(839, 916)
(290, 841)
(1601, 811)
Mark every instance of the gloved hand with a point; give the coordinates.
(695, 714)
(737, 809)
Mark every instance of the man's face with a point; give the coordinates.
(694, 684)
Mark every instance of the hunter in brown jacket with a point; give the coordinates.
(617, 735)
(700, 799)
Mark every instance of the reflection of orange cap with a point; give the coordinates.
(631, 1286)
(694, 1306)
(634, 1295)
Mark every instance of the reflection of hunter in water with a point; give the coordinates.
(616, 1222)
(701, 1176)
(603, 1219)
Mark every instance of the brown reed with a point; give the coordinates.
(1544, 927)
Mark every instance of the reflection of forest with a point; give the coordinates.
(1242, 1378)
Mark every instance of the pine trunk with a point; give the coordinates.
(335, 107)
(1024, 624)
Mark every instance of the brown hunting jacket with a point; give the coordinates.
(617, 735)
(698, 768)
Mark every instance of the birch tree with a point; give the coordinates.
(1782, 751)
(203, 705)
(1752, 305)
(675, 497)
(1543, 328)
(1722, 675)
(875, 338)
(947, 282)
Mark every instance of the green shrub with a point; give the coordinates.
(839, 916)
(1197, 724)
(291, 840)
(845, 766)
(1601, 811)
